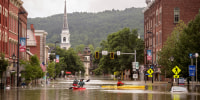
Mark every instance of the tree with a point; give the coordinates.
(33, 70)
(51, 69)
(70, 61)
(170, 49)
(124, 41)
(3, 65)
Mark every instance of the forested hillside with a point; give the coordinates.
(90, 28)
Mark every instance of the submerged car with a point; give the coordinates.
(179, 89)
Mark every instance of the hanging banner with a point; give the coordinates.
(149, 55)
(57, 58)
(22, 47)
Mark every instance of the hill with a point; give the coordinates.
(90, 28)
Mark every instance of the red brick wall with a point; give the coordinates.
(36, 49)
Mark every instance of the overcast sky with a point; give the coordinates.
(44, 8)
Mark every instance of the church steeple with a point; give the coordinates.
(65, 23)
(65, 35)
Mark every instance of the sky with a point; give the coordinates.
(45, 8)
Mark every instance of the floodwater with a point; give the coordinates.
(59, 90)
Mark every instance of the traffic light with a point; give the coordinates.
(112, 56)
(97, 55)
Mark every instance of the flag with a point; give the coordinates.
(42, 65)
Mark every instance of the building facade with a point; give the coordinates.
(9, 21)
(86, 58)
(160, 18)
(65, 35)
(36, 43)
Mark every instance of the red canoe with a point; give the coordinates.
(79, 88)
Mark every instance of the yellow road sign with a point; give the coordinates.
(176, 76)
(150, 71)
(149, 75)
(176, 70)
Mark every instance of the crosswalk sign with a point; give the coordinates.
(150, 71)
(176, 70)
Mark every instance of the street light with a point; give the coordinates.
(149, 32)
(19, 13)
(171, 59)
(196, 55)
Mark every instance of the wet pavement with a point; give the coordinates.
(59, 90)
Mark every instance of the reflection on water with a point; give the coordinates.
(94, 92)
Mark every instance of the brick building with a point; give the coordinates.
(9, 18)
(36, 43)
(160, 18)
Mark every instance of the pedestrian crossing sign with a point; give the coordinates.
(150, 71)
(176, 70)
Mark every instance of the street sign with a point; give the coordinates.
(104, 53)
(133, 65)
(176, 70)
(135, 75)
(192, 70)
(176, 76)
(150, 71)
(137, 65)
(118, 53)
(149, 75)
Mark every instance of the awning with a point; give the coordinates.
(68, 73)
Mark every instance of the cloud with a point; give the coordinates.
(43, 8)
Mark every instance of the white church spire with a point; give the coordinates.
(65, 23)
(65, 35)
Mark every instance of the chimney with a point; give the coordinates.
(32, 28)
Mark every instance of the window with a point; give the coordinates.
(156, 17)
(156, 38)
(160, 18)
(160, 37)
(0, 13)
(64, 39)
(176, 15)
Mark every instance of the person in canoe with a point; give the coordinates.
(75, 82)
(119, 83)
(81, 83)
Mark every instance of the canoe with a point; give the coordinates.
(78, 88)
(124, 87)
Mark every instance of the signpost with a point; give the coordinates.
(104, 53)
(176, 70)
(150, 71)
(192, 70)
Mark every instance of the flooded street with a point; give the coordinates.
(93, 91)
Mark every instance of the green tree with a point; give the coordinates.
(170, 49)
(125, 41)
(3, 65)
(33, 70)
(189, 43)
(51, 69)
(70, 61)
